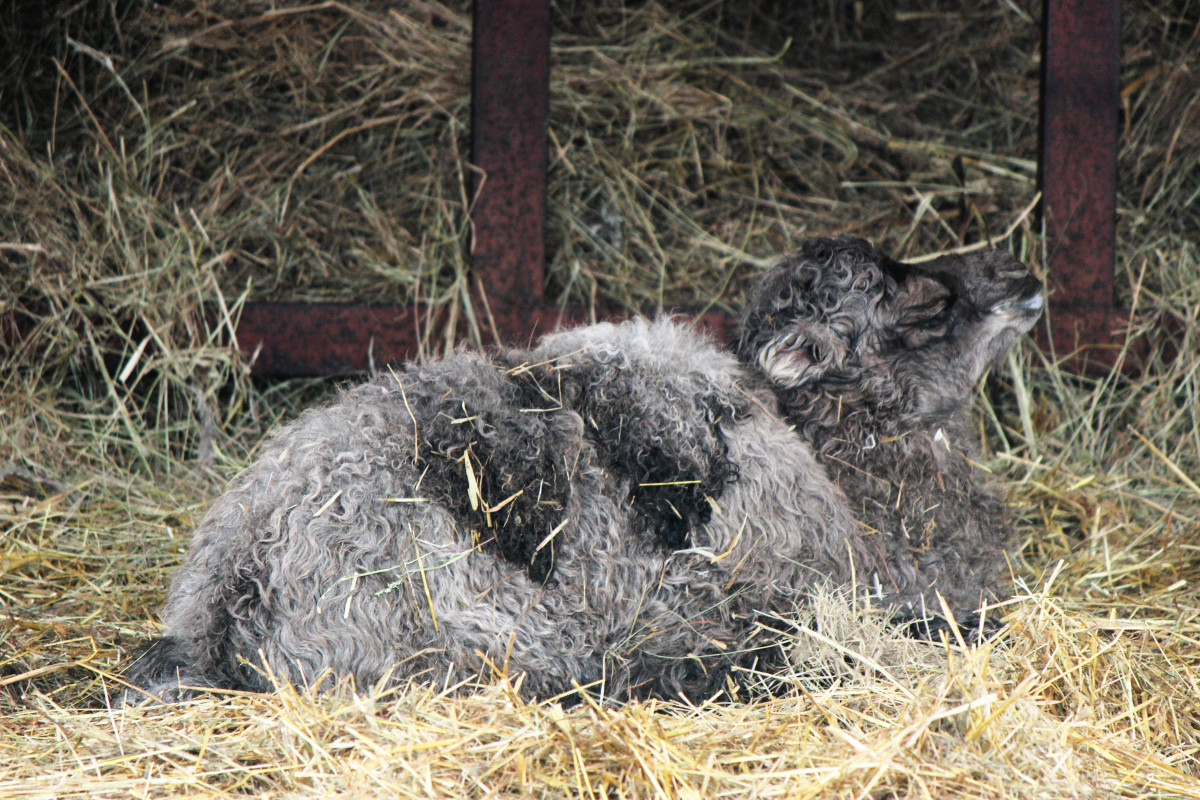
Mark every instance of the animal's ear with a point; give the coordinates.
(921, 289)
(802, 354)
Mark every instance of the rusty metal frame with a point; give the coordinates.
(510, 103)
(1080, 104)
(1080, 114)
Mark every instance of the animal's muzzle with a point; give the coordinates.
(1028, 299)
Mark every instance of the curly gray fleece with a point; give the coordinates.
(619, 507)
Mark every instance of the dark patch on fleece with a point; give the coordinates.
(518, 461)
(522, 451)
(635, 427)
(673, 474)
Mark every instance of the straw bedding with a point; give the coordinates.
(154, 158)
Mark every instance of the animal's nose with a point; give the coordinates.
(1025, 297)
(1027, 284)
(1032, 303)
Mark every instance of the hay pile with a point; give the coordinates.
(154, 157)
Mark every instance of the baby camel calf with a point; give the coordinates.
(618, 507)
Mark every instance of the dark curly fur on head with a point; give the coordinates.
(839, 319)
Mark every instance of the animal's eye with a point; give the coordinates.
(937, 320)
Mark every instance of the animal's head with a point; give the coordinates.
(837, 315)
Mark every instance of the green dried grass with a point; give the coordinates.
(231, 150)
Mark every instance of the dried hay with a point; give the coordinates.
(157, 157)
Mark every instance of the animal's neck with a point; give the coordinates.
(900, 471)
(849, 423)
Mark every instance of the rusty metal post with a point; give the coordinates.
(509, 108)
(1080, 115)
